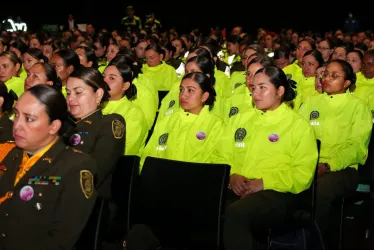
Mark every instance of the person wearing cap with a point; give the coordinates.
(151, 23)
(131, 22)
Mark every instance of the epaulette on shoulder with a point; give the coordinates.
(5, 148)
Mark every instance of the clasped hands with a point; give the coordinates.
(242, 186)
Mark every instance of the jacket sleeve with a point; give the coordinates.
(355, 149)
(136, 129)
(109, 146)
(297, 177)
(73, 211)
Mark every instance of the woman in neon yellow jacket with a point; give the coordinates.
(273, 154)
(10, 66)
(294, 70)
(192, 133)
(146, 96)
(238, 78)
(119, 77)
(203, 64)
(343, 124)
(161, 74)
(305, 86)
(241, 100)
(365, 80)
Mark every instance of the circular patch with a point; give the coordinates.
(163, 139)
(75, 139)
(26, 193)
(200, 135)
(314, 115)
(273, 137)
(240, 134)
(372, 113)
(171, 104)
(233, 111)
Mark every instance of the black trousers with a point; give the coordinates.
(262, 210)
(330, 187)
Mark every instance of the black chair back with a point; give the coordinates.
(123, 179)
(183, 202)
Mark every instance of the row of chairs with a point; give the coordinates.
(183, 203)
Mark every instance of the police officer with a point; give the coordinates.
(100, 136)
(273, 153)
(191, 133)
(152, 24)
(46, 188)
(343, 124)
(131, 22)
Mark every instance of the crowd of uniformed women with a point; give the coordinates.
(71, 106)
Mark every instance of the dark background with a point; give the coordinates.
(301, 15)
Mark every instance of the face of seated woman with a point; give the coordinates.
(32, 128)
(81, 98)
(265, 95)
(191, 96)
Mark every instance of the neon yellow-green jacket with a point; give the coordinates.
(277, 146)
(371, 105)
(162, 76)
(170, 103)
(293, 70)
(364, 87)
(238, 103)
(222, 83)
(136, 124)
(102, 67)
(185, 136)
(166, 102)
(305, 88)
(63, 90)
(23, 73)
(16, 84)
(146, 99)
(343, 124)
(237, 79)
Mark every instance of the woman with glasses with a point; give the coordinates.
(343, 124)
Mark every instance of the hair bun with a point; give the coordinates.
(13, 95)
(292, 83)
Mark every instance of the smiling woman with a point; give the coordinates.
(100, 136)
(46, 188)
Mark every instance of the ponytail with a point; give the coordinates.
(131, 92)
